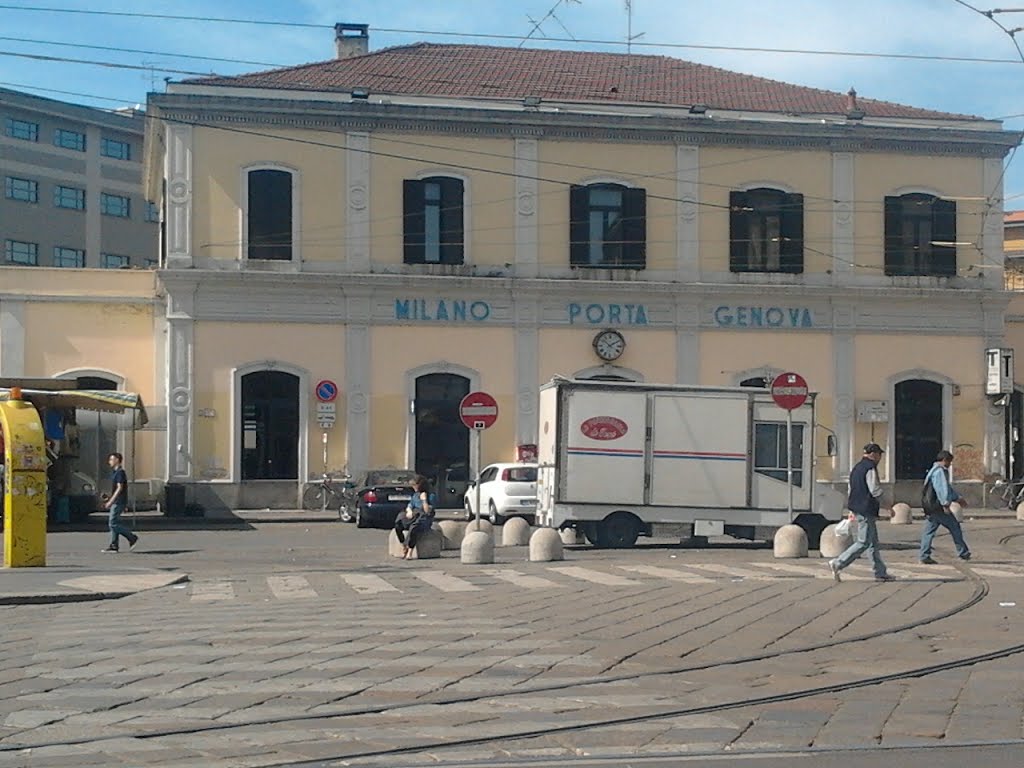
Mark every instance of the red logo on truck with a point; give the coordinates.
(604, 428)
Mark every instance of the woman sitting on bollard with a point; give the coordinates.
(417, 517)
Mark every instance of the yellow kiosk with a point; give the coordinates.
(25, 461)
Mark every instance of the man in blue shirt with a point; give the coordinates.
(117, 503)
(945, 495)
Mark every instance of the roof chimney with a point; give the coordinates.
(851, 100)
(351, 40)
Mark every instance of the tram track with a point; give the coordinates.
(980, 591)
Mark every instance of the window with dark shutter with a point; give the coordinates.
(270, 215)
(607, 227)
(766, 231)
(433, 213)
(920, 236)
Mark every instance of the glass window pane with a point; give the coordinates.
(68, 257)
(119, 150)
(69, 139)
(19, 252)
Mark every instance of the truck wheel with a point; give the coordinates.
(590, 531)
(619, 530)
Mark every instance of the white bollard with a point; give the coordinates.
(453, 531)
(833, 545)
(571, 536)
(901, 514)
(790, 541)
(545, 546)
(515, 532)
(1020, 511)
(477, 547)
(485, 526)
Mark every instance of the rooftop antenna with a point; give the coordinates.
(536, 25)
(630, 37)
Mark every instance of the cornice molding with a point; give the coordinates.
(340, 117)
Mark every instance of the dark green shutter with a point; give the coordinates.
(739, 232)
(634, 228)
(894, 263)
(579, 225)
(452, 235)
(413, 221)
(943, 261)
(791, 249)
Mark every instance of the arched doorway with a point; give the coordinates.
(270, 426)
(918, 427)
(97, 431)
(441, 439)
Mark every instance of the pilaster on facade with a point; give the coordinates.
(844, 395)
(180, 398)
(843, 195)
(992, 224)
(178, 175)
(527, 370)
(12, 337)
(358, 255)
(527, 260)
(688, 213)
(687, 344)
(358, 352)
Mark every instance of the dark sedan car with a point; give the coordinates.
(381, 494)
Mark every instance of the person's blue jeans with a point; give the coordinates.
(931, 526)
(117, 528)
(866, 541)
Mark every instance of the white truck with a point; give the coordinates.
(621, 460)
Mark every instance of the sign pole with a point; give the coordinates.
(789, 460)
(325, 450)
(476, 463)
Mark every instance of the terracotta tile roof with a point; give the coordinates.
(1013, 217)
(429, 69)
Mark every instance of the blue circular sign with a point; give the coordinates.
(326, 391)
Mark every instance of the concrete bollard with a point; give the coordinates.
(477, 547)
(428, 545)
(1020, 511)
(571, 536)
(957, 511)
(545, 546)
(790, 541)
(515, 532)
(832, 545)
(901, 514)
(485, 526)
(453, 532)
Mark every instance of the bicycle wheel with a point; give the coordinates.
(315, 497)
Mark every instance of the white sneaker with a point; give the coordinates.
(833, 565)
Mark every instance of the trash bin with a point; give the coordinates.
(174, 500)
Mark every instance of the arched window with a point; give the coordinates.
(269, 424)
(920, 235)
(918, 427)
(766, 231)
(433, 220)
(607, 226)
(269, 214)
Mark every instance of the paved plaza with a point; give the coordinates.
(302, 643)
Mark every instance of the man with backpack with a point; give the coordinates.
(936, 496)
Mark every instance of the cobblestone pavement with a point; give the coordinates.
(298, 642)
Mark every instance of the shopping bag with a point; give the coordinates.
(843, 527)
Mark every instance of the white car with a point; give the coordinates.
(506, 490)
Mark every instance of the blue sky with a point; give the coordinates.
(922, 27)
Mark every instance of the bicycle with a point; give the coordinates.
(334, 493)
(1010, 492)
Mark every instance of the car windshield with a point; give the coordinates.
(522, 474)
(389, 477)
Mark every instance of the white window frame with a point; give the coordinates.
(243, 219)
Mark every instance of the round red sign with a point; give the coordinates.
(789, 391)
(478, 410)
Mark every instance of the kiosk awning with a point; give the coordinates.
(110, 401)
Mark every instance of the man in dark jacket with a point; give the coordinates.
(865, 491)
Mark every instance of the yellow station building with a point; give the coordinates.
(420, 222)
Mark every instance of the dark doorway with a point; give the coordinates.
(442, 440)
(918, 427)
(270, 426)
(1014, 415)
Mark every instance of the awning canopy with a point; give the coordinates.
(110, 401)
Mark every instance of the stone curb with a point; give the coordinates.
(50, 598)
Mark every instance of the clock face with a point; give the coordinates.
(609, 345)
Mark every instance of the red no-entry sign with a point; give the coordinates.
(789, 391)
(478, 410)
